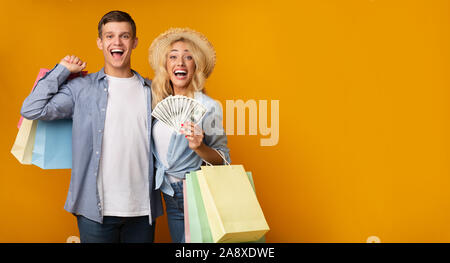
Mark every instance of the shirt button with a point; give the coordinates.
(105, 89)
(99, 130)
(96, 152)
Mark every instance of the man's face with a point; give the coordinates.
(117, 42)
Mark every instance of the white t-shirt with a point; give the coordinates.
(161, 136)
(124, 164)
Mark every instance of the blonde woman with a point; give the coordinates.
(182, 60)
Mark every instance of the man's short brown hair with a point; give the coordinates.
(116, 16)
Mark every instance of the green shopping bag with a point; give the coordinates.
(198, 222)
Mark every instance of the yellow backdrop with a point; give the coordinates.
(363, 90)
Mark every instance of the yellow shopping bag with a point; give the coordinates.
(23, 145)
(231, 205)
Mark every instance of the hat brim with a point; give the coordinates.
(159, 46)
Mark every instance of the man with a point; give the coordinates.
(111, 189)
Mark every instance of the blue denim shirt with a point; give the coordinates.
(181, 159)
(84, 100)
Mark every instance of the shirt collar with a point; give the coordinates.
(145, 82)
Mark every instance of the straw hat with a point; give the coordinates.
(158, 47)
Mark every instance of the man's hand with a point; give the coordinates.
(73, 64)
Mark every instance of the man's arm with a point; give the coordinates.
(52, 99)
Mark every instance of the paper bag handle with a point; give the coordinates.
(221, 155)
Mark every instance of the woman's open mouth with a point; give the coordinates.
(180, 74)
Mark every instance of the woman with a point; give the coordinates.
(182, 60)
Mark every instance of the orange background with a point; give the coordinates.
(364, 109)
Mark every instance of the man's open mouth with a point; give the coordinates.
(117, 53)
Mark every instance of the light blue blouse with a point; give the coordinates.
(180, 158)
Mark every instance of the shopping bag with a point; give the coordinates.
(53, 139)
(22, 148)
(40, 75)
(192, 215)
(250, 177)
(231, 205)
(53, 145)
(23, 145)
(198, 221)
(187, 233)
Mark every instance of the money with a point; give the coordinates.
(176, 110)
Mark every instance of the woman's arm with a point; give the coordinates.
(195, 136)
(209, 154)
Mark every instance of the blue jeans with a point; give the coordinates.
(175, 212)
(116, 230)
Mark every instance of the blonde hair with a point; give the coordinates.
(161, 87)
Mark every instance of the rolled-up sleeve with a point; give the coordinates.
(52, 97)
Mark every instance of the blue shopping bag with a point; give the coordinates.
(53, 145)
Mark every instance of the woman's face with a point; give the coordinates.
(180, 65)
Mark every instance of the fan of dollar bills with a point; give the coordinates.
(176, 110)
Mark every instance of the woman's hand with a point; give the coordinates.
(193, 133)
